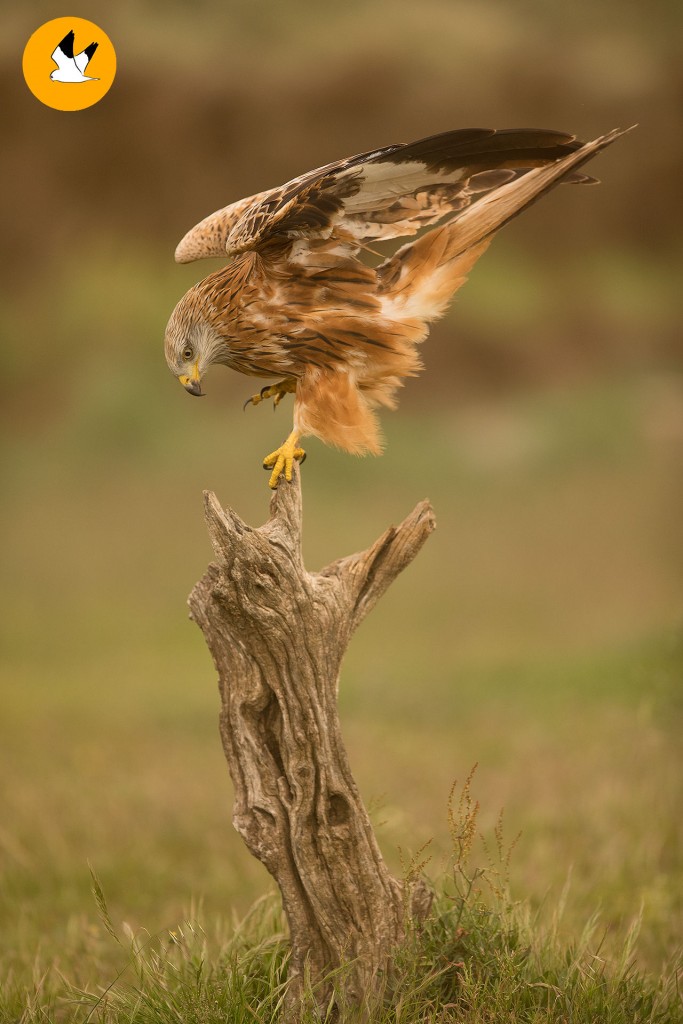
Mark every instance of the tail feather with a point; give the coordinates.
(420, 279)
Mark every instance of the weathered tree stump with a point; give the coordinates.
(277, 634)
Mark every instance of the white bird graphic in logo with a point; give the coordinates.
(71, 68)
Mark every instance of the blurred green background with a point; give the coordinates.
(538, 633)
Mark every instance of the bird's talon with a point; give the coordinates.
(282, 460)
(275, 391)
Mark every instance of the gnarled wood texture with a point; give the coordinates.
(277, 634)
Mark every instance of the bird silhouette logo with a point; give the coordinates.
(71, 67)
(65, 52)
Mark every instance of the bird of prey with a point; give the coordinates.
(71, 68)
(297, 302)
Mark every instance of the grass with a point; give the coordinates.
(479, 957)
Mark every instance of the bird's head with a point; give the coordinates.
(189, 345)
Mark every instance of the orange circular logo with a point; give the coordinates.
(69, 63)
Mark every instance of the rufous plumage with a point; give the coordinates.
(300, 303)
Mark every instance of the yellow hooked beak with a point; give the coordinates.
(192, 382)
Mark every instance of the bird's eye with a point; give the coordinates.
(187, 353)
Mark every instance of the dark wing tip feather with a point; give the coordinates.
(67, 44)
(480, 145)
(480, 149)
(90, 49)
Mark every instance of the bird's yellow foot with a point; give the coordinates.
(275, 391)
(282, 459)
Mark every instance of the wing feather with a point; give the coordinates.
(381, 194)
(208, 238)
(394, 191)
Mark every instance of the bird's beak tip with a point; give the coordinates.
(192, 385)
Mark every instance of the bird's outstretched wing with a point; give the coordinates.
(383, 194)
(82, 59)
(64, 51)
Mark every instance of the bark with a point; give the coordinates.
(277, 634)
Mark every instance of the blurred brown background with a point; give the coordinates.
(218, 101)
(538, 632)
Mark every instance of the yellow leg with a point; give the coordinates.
(283, 459)
(275, 391)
